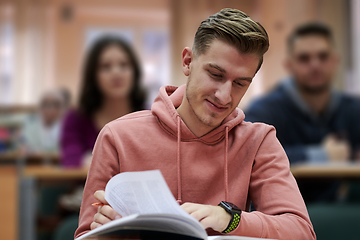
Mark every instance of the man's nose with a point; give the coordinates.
(223, 93)
(315, 62)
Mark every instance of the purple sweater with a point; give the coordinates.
(78, 137)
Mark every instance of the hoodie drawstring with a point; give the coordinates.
(226, 178)
(226, 183)
(179, 200)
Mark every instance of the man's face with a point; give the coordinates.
(217, 81)
(52, 108)
(312, 62)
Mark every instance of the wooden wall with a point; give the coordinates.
(49, 49)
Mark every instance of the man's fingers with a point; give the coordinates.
(201, 213)
(190, 207)
(207, 222)
(99, 218)
(94, 225)
(209, 216)
(100, 195)
(109, 212)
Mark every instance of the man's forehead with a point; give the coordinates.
(311, 43)
(239, 72)
(225, 56)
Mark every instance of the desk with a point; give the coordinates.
(9, 203)
(11, 166)
(18, 158)
(48, 172)
(326, 171)
(32, 178)
(54, 173)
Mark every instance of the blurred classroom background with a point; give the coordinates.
(43, 45)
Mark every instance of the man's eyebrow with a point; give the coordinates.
(249, 79)
(217, 67)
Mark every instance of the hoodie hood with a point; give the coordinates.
(164, 108)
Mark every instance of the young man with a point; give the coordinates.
(314, 123)
(196, 136)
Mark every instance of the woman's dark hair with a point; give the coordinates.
(91, 97)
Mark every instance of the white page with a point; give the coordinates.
(156, 222)
(228, 237)
(107, 226)
(143, 192)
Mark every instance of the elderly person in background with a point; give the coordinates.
(42, 130)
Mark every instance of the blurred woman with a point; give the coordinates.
(110, 89)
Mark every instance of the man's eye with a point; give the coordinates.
(239, 83)
(215, 75)
(324, 56)
(304, 58)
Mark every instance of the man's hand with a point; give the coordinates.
(337, 150)
(214, 217)
(105, 213)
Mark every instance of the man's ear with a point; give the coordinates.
(187, 58)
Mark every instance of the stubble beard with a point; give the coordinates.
(314, 90)
(203, 119)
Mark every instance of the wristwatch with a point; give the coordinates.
(235, 213)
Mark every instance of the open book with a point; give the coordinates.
(148, 210)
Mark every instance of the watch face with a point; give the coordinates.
(231, 207)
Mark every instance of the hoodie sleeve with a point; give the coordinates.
(281, 212)
(104, 166)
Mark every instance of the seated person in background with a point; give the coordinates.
(196, 136)
(42, 131)
(67, 96)
(110, 89)
(313, 122)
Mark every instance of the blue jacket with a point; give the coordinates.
(300, 130)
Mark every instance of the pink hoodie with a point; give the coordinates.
(237, 162)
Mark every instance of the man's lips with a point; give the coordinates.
(215, 107)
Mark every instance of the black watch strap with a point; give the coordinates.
(235, 213)
(234, 222)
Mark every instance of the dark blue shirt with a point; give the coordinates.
(300, 130)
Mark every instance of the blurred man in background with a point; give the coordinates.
(314, 123)
(67, 97)
(42, 130)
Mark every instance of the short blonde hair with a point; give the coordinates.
(234, 27)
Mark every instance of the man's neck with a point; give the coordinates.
(191, 120)
(318, 102)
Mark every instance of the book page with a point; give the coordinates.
(152, 226)
(143, 192)
(146, 203)
(228, 237)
